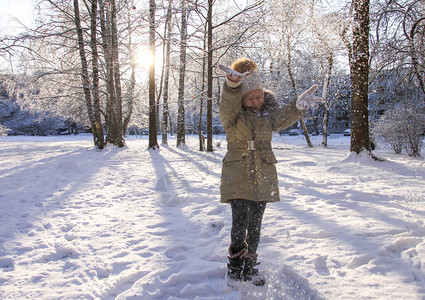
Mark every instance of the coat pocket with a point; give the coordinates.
(267, 177)
(268, 157)
(234, 156)
(235, 176)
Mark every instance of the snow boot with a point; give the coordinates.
(251, 274)
(235, 267)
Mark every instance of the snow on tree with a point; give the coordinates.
(402, 128)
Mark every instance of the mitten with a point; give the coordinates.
(232, 75)
(307, 99)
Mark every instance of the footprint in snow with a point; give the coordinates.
(282, 283)
(7, 264)
(216, 227)
(401, 244)
(66, 227)
(61, 251)
(173, 251)
(321, 265)
(217, 210)
(24, 227)
(358, 261)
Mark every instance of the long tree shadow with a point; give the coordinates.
(308, 187)
(187, 266)
(358, 240)
(172, 188)
(39, 186)
(283, 281)
(206, 162)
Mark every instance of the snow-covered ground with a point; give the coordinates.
(76, 223)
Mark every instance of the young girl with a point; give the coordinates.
(250, 115)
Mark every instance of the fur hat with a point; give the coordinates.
(252, 82)
(244, 64)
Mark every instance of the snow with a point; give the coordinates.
(77, 223)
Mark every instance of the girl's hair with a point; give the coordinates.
(244, 64)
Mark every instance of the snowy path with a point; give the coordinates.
(135, 224)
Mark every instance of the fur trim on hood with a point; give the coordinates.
(270, 102)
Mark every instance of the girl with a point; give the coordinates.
(250, 115)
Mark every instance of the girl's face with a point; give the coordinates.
(253, 100)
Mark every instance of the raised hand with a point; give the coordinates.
(307, 99)
(233, 75)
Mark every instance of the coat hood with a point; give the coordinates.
(270, 102)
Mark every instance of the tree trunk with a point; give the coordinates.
(167, 33)
(153, 143)
(359, 73)
(130, 105)
(114, 122)
(105, 25)
(326, 105)
(106, 42)
(201, 101)
(181, 112)
(418, 68)
(111, 102)
(294, 87)
(209, 76)
(95, 66)
(115, 134)
(325, 126)
(85, 74)
(132, 85)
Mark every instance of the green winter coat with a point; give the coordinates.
(251, 174)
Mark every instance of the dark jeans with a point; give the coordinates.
(246, 224)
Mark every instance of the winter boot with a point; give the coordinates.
(250, 274)
(235, 266)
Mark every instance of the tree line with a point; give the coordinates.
(80, 59)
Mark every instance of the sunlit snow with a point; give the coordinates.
(129, 223)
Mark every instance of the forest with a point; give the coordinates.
(115, 66)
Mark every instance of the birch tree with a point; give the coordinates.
(288, 17)
(181, 128)
(65, 46)
(97, 129)
(93, 113)
(326, 45)
(153, 143)
(167, 47)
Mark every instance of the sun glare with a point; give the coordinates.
(144, 58)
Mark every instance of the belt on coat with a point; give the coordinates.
(249, 145)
